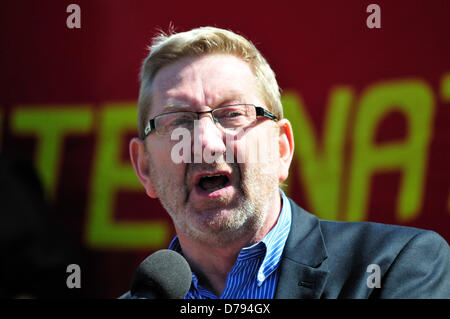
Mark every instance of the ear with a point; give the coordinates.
(141, 165)
(286, 147)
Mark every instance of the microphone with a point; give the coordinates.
(164, 274)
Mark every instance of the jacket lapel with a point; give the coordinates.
(303, 268)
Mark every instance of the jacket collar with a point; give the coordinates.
(303, 268)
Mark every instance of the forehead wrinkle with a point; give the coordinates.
(179, 97)
(174, 104)
(181, 101)
(189, 83)
(229, 96)
(187, 92)
(236, 82)
(176, 84)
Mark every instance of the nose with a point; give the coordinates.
(208, 140)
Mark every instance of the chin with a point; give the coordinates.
(215, 219)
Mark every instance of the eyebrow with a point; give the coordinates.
(182, 103)
(174, 105)
(237, 95)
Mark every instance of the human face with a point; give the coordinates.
(222, 209)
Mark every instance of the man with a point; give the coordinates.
(241, 235)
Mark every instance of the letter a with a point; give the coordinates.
(374, 280)
(184, 146)
(73, 20)
(373, 20)
(74, 279)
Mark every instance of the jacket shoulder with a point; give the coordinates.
(367, 238)
(364, 236)
(412, 262)
(368, 233)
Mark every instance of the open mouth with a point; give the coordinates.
(211, 183)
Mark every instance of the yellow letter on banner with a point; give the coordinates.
(445, 87)
(414, 99)
(50, 124)
(320, 166)
(445, 95)
(111, 175)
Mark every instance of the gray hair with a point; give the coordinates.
(166, 49)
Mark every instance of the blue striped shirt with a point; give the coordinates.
(255, 273)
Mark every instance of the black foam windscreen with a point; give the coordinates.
(164, 274)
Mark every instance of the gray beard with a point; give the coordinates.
(246, 218)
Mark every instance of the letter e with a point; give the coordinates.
(373, 20)
(74, 19)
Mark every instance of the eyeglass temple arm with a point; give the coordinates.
(150, 127)
(260, 111)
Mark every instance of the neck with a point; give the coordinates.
(211, 264)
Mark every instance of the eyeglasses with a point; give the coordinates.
(229, 117)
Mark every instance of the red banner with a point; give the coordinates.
(367, 90)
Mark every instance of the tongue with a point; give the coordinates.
(213, 182)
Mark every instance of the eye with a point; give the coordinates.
(233, 116)
(173, 120)
(230, 112)
(235, 113)
(181, 120)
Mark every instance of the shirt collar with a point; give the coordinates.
(274, 241)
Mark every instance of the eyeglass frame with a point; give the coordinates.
(260, 111)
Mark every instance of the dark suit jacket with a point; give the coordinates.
(327, 259)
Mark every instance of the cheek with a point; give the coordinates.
(160, 159)
(255, 147)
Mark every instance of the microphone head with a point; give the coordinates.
(164, 274)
